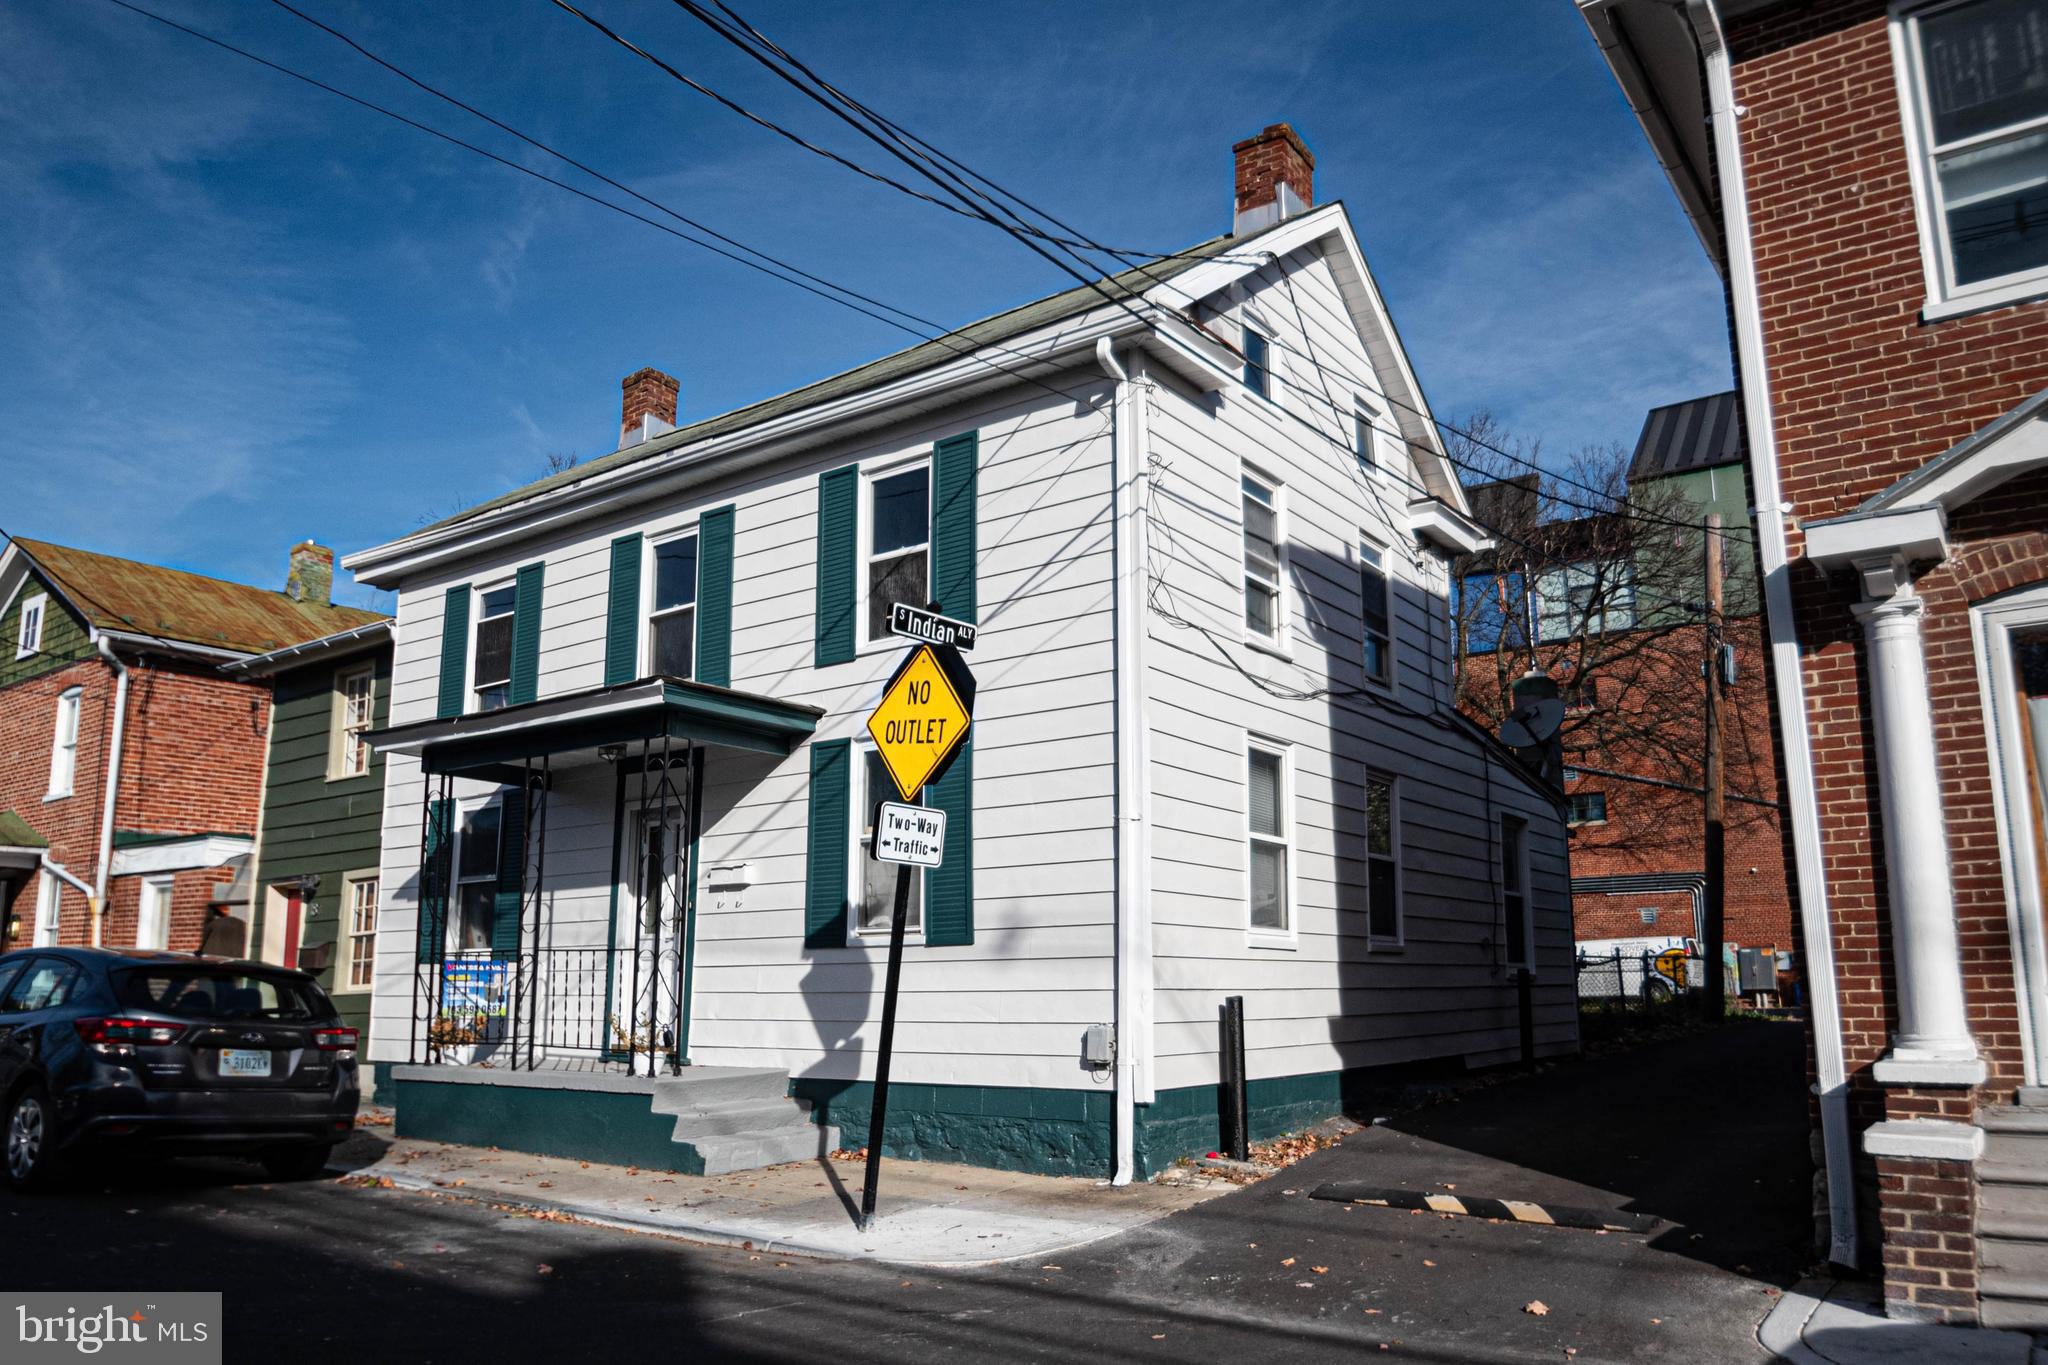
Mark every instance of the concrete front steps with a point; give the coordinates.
(739, 1118)
(2012, 1214)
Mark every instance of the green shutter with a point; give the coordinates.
(505, 907)
(838, 493)
(622, 613)
(454, 651)
(714, 597)
(949, 887)
(526, 634)
(433, 922)
(825, 866)
(953, 517)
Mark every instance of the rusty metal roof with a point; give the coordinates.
(16, 832)
(187, 608)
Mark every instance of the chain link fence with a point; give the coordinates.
(1622, 991)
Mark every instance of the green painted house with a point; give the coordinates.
(315, 884)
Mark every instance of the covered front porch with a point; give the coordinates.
(559, 873)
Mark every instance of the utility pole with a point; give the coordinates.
(1715, 1001)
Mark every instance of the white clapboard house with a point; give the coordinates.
(1203, 532)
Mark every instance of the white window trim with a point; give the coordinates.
(451, 928)
(863, 538)
(476, 620)
(1281, 642)
(1258, 326)
(73, 700)
(49, 910)
(162, 891)
(1387, 445)
(346, 935)
(337, 747)
(1376, 943)
(1289, 938)
(1386, 570)
(648, 577)
(862, 804)
(1528, 895)
(26, 645)
(1944, 300)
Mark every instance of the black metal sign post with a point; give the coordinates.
(879, 1114)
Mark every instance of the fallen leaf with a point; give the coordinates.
(546, 1185)
(1430, 1264)
(1288, 1261)
(398, 1265)
(1656, 1322)
(1374, 1312)
(1159, 1336)
(1049, 1267)
(1320, 1269)
(1536, 1308)
(904, 1285)
(543, 1269)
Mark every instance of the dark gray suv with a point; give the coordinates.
(106, 1050)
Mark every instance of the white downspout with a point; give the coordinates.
(104, 867)
(1815, 921)
(1133, 834)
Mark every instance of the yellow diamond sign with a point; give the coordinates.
(923, 717)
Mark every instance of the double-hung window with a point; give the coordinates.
(1269, 834)
(1376, 613)
(360, 914)
(29, 640)
(1261, 502)
(1975, 79)
(354, 701)
(1514, 889)
(153, 912)
(1587, 808)
(1382, 861)
(64, 745)
(492, 670)
(672, 623)
(476, 879)
(898, 558)
(1258, 362)
(874, 883)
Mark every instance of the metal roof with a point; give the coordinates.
(1699, 433)
(125, 596)
(16, 832)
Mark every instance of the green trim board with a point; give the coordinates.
(617, 1127)
(1008, 1128)
(138, 838)
(826, 838)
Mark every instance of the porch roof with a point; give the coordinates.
(651, 708)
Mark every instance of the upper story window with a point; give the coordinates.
(1261, 502)
(355, 693)
(1587, 808)
(672, 622)
(64, 747)
(1258, 362)
(1270, 837)
(1373, 437)
(1975, 75)
(898, 554)
(1376, 613)
(1587, 598)
(30, 639)
(492, 670)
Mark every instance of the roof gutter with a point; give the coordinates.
(341, 642)
(105, 866)
(1794, 742)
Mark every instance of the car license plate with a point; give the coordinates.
(234, 1062)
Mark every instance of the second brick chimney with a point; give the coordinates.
(1276, 179)
(310, 577)
(649, 406)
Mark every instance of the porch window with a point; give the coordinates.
(1269, 838)
(476, 879)
(361, 972)
(493, 668)
(64, 745)
(30, 639)
(1376, 611)
(353, 694)
(1261, 503)
(874, 883)
(1976, 76)
(898, 554)
(1382, 861)
(1514, 890)
(672, 624)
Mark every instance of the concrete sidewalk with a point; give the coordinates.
(1821, 1322)
(929, 1213)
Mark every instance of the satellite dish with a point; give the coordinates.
(1532, 723)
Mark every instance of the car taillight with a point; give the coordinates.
(144, 1031)
(335, 1039)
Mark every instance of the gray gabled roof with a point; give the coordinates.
(1699, 433)
(961, 341)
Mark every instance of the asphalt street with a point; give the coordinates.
(1706, 1131)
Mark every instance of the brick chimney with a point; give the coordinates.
(649, 406)
(1276, 179)
(311, 576)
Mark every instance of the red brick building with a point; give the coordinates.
(130, 768)
(1866, 177)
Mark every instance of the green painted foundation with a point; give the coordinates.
(589, 1125)
(1008, 1128)
(1188, 1121)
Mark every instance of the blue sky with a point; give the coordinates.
(237, 311)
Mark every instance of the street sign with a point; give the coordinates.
(912, 835)
(928, 626)
(923, 716)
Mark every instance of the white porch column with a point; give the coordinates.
(1933, 1045)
